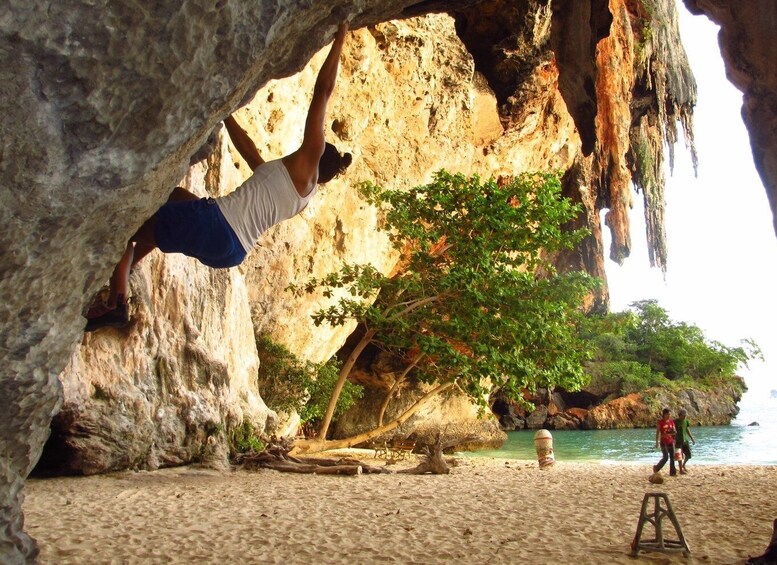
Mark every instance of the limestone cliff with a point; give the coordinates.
(104, 104)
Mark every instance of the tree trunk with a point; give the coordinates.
(276, 456)
(351, 361)
(318, 444)
(344, 372)
(396, 386)
(433, 463)
(433, 459)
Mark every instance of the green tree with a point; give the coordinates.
(467, 308)
(287, 383)
(643, 347)
(681, 350)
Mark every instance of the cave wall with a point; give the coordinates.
(102, 106)
(97, 126)
(749, 48)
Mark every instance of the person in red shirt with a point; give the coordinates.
(665, 434)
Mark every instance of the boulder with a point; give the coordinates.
(536, 420)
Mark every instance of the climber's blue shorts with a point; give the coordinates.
(197, 228)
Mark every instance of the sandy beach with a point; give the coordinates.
(485, 511)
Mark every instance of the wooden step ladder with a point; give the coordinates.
(662, 508)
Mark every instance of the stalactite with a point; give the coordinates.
(664, 95)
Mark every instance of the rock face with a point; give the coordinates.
(749, 50)
(597, 408)
(103, 106)
(705, 408)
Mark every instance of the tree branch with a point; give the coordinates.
(395, 386)
(415, 305)
(320, 444)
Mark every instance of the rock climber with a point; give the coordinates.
(219, 232)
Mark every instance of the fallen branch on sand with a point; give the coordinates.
(276, 456)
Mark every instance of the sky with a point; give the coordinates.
(722, 249)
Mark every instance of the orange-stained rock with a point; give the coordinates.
(579, 413)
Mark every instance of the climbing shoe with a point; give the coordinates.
(99, 304)
(112, 318)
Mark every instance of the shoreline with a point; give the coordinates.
(716, 445)
(484, 511)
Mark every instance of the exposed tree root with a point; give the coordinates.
(433, 462)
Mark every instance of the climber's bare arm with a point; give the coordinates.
(303, 163)
(244, 145)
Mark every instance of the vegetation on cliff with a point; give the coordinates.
(467, 307)
(289, 384)
(642, 361)
(642, 348)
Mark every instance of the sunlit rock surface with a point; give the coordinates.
(705, 408)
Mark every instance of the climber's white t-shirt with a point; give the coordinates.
(266, 198)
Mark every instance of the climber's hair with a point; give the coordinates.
(332, 163)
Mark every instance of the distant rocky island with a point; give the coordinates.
(596, 407)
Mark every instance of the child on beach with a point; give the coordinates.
(665, 434)
(683, 435)
(220, 232)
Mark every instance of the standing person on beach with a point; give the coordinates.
(220, 232)
(684, 434)
(665, 434)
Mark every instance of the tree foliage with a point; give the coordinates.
(643, 347)
(244, 439)
(467, 305)
(287, 383)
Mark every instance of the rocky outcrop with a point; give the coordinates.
(103, 106)
(598, 407)
(641, 410)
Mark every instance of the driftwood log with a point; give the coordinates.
(276, 456)
(769, 557)
(433, 459)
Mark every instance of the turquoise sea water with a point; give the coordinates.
(738, 443)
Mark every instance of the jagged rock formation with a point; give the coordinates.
(598, 407)
(104, 106)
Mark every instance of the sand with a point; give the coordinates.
(485, 511)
